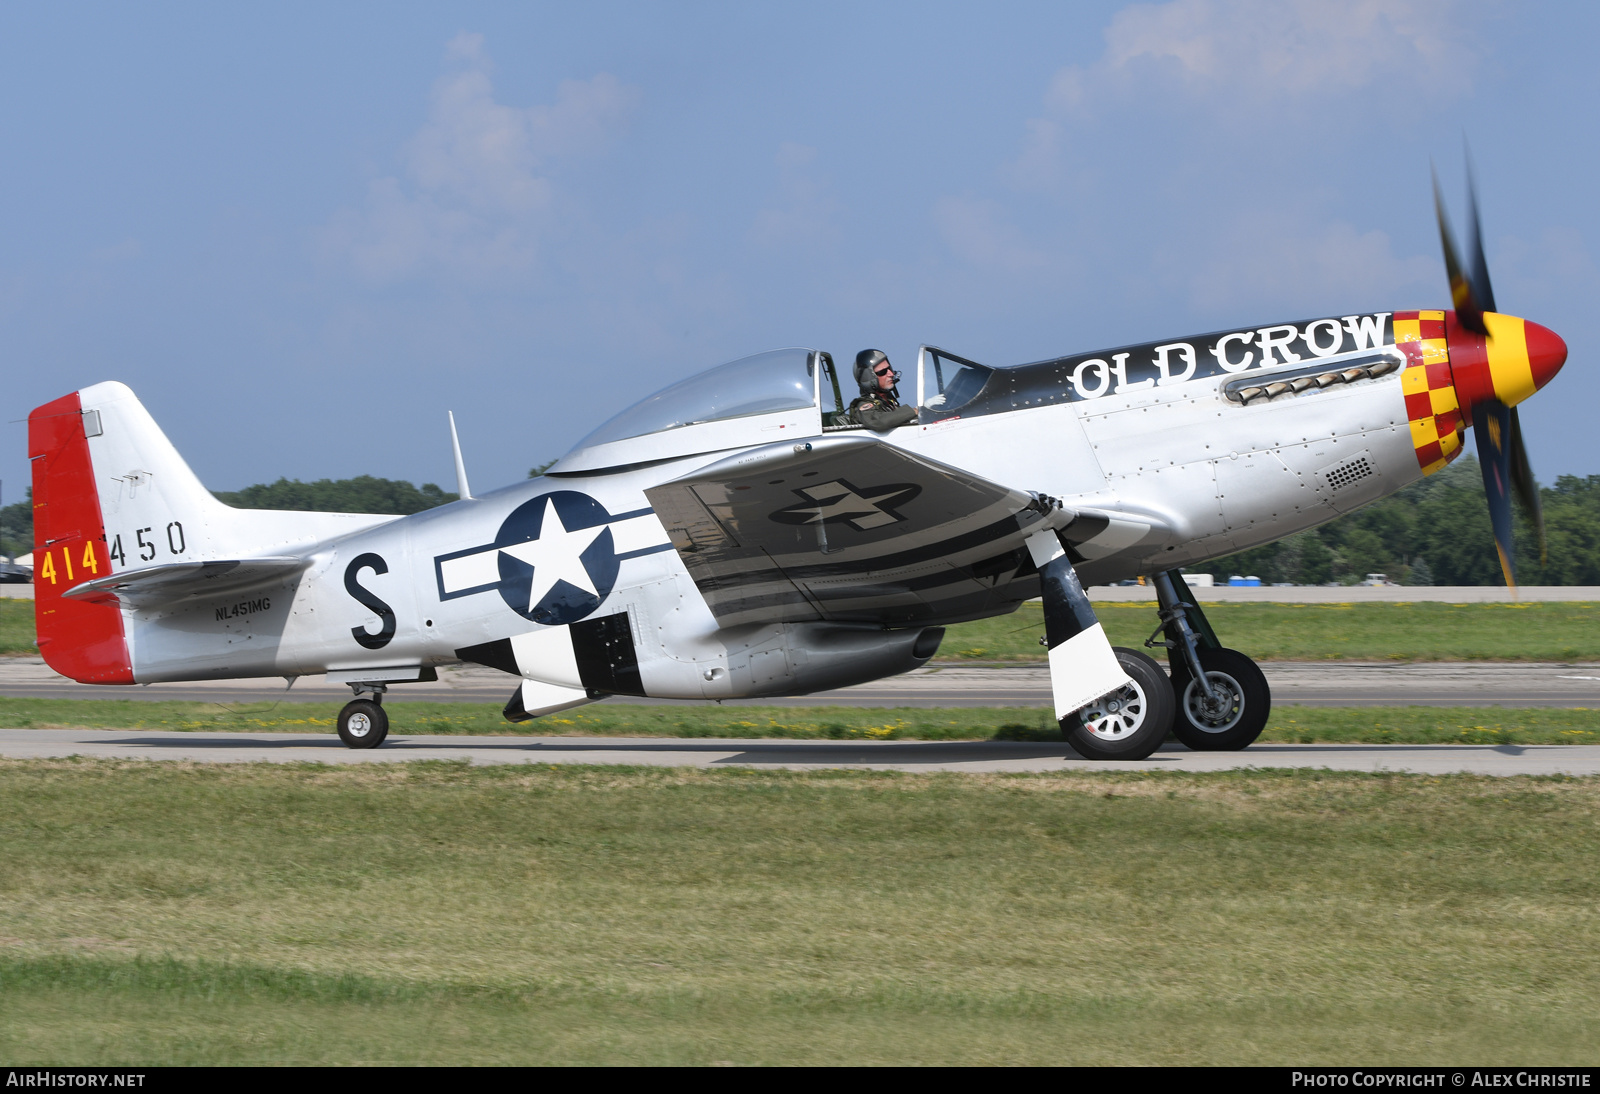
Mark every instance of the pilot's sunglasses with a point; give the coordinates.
(883, 371)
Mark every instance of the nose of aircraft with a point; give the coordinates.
(1546, 353)
(1515, 359)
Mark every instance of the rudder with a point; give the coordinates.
(81, 640)
(110, 494)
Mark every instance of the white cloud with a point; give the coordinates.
(1273, 48)
(1245, 62)
(1280, 260)
(476, 196)
(1213, 152)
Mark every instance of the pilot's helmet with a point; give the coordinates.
(866, 361)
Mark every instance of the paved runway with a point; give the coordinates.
(1309, 683)
(918, 756)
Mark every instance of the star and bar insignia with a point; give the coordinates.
(841, 502)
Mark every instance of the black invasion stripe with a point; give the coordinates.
(729, 602)
(1006, 526)
(604, 650)
(496, 655)
(955, 606)
(942, 612)
(942, 576)
(1067, 611)
(921, 583)
(978, 537)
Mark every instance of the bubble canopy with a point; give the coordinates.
(763, 383)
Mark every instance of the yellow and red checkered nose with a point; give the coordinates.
(1431, 404)
(1449, 369)
(1515, 359)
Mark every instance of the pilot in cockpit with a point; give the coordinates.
(878, 407)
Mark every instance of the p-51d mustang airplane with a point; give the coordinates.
(734, 536)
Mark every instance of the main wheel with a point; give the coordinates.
(363, 724)
(1132, 721)
(1239, 714)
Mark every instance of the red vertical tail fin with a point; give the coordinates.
(82, 640)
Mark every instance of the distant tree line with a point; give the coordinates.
(1436, 532)
(16, 527)
(362, 494)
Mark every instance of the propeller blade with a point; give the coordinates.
(1469, 311)
(1491, 424)
(1501, 453)
(1523, 486)
(1482, 291)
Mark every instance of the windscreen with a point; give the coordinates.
(760, 384)
(954, 382)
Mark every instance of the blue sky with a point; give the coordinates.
(303, 232)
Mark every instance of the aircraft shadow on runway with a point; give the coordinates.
(828, 752)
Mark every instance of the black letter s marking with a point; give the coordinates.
(385, 613)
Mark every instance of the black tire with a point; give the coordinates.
(1128, 724)
(1240, 722)
(363, 724)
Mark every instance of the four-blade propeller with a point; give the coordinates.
(1504, 461)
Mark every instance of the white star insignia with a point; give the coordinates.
(556, 556)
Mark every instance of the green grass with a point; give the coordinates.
(1433, 725)
(620, 720)
(1378, 725)
(16, 626)
(1315, 632)
(436, 913)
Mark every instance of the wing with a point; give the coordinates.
(154, 585)
(849, 529)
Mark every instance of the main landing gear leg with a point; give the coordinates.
(1223, 697)
(1112, 704)
(363, 723)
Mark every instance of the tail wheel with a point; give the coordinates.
(1236, 716)
(363, 724)
(1131, 722)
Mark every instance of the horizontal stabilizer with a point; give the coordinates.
(153, 585)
